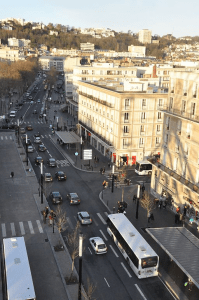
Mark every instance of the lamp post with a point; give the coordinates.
(27, 148)
(41, 167)
(113, 178)
(18, 130)
(80, 265)
(57, 123)
(81, 147)
(138, 199)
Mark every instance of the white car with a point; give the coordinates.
(37, 140)
(30, 149)
(98, 245)
(84, 218)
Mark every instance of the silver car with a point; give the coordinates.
(48, 177)
(84, 218)
(98, 245)
(73, 198)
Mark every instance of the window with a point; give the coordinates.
(186, 149)
(131, 72)
(141, 142)
(195, 89)
(157, 141)
(177, 147)
(126, 129)
(171, 103)
(125, 143)
(143, 103)
(174, 184)
(185, 84)
(166, 138)
(197, 176)
(143, 117)
(111, 117)
(160, 101)
(158, 128)
(188, 130)
(159, 116)
(175, 165)
(107, 115)
(100, 111)
(179, 125)
(183, 106)
(101, 72)
(103, 113)
(142, 128)
(193, 108)
(126, 117)
(127, 103)
(184, 169)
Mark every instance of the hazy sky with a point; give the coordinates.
(179, 18)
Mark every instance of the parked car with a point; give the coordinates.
(84, 218)
(38, 160)
(37, 140)
(41, 148)
(51, 162)
(55, 197)
(48, 177)
(22, 130)
(30, 148)
(98, 245)
(60, 175)
(73, 198)
(29, 127)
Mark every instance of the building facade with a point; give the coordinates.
(144, 36)
(176, 175)
(124, 126)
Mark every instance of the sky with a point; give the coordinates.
(176, 17)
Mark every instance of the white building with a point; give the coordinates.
(144, 36)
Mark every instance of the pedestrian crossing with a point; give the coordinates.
(63, 163)
(20, 228)
(6, 138)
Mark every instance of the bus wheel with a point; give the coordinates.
(150, 173)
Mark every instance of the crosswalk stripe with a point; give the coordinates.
(103, 235)
(31, 227)
(1, 138)
(39, 226)
(6, 137)
(103, 221)
(106, 213)
(22, 228)
(12, 225)
(3, 227)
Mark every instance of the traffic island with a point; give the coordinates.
(59, 248)
(71, 280)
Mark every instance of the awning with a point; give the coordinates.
(68, 137)
(182, 246)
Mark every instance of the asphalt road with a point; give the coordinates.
(109, 273)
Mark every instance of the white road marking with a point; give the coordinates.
(6, 137)
(113, 251)
(141, 293)
(1, 138)
(39, 226)
(12, 225)
(31, 227)
(90, 250)
(22, 228)
(126, 270)
(106, 282)
(103, 235)
(106, 213)
(10, 137)
(3, 227)
(103, 221)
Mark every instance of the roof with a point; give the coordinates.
(143, 162)
(182, 246)
(68, 137)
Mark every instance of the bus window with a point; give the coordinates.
(149, 262)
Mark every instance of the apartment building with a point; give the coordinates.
(13, 42)
(177, 173)
(124, 126)
(87, 46)
(9, 54)
(144, 36)
(48, 62)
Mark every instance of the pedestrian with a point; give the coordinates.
(44, 216)
(51, 218)
(160, 203)
(47, 210)
(185, 210)
(12, 174)
(164, 204)
(149, 216)
(152, 217)
(143, 188)
(180, 218)
(178, 209)
(104, 184)
(134, 198)
(101, 170)
(98, 159)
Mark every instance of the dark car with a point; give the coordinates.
(29, 127)
(41, 148)
(51, 162)
(73, 198)
(34, 112)
(28, 142)
(37, 134)
(23, 136)
(55, 197)
(60, 175)
(38, 160)
(30, 98)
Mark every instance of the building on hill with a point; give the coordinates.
(145, 36)
(87, 46)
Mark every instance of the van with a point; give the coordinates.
(143, 167)
(13, 114)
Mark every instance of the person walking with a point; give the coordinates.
(103, 170)
(134, 198)
(12, 174)
(149, 216)
(47, 210)
(44, 216)
(185, 210)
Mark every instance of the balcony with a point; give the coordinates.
(176, 176)
(96, 134)
(180, 113)
(96, 99)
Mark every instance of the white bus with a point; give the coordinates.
(17, 279)
(138, 253)
(143, 167)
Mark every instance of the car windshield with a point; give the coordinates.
(74, 197)
(86, 217)
(101, 246)
(48, 175)
(56, 194)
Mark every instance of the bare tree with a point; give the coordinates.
(61, 221)
(87, 294)
(73, 242)
(147, 203)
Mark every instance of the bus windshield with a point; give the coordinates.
(137, 167)
(149, 262)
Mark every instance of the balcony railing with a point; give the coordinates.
(179, 113)
(96, 99)
(96, 134)
(176, 176)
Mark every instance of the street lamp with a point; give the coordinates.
(57, 123)
(81, 147)
(18, 130)
(41, 167)
(80, 265)
(138, 199)
(27, 148)
(113, 178)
